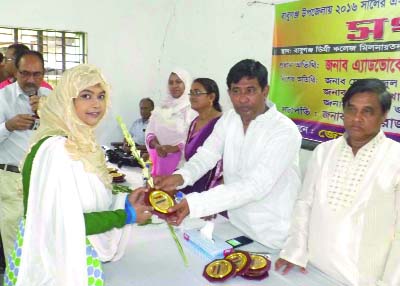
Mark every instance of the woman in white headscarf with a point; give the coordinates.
(168, 126)
(72, 220)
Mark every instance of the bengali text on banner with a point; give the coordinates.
(321, 48)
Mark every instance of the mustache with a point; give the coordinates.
(31, 89)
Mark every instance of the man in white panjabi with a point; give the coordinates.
(345, 220)
(259, 147)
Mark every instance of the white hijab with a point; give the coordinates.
(183, 101)
(170, 121)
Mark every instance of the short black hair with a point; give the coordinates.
(248, 68)
(18, 49)
(372, 85)
(1, 57)
(27, 53)
(149, 100)
(211, 87)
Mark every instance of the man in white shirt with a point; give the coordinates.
(259, 147)
(346, 218)
(138, 127)
(18, 105)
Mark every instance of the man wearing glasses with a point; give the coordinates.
(18, 105)
(259, 147)
(10, 68)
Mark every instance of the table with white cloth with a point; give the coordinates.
(152, 257)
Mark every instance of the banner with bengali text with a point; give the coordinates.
(321, 48)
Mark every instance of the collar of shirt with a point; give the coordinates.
(370, 145)
(19, 90)
(270, 113)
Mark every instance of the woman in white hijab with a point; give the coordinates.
(168, 126)
(72, 220)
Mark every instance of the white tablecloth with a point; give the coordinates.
(152, 258)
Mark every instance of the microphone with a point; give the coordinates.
(32, 90)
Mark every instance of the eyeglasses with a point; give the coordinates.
(197, 92)
(27, 74)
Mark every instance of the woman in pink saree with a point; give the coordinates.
(168, 125)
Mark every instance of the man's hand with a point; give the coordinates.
(178, 212)
(34, 102)
(136, 199)
(126, 148)
(168, 183)
(287, 266)
(20, 122)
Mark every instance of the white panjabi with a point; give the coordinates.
(345, 220)
(261, 174)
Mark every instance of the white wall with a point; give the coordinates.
(137, 42)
